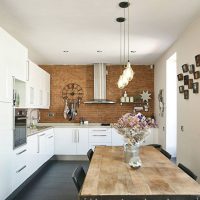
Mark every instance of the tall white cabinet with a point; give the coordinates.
(13, 63)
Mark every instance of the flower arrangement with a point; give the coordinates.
(134, 127)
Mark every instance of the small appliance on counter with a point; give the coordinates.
(19, 132)
(105, 124)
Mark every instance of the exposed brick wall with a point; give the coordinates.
(83, 75)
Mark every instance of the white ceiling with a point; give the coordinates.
(47, 27)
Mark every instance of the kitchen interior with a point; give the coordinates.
(61, 94)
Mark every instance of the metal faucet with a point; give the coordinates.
(32, 125)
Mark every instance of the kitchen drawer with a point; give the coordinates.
(102, 135)
(19, 157)
(19, 176)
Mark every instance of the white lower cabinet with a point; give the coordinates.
(40, 148)
(99, 137)
(71, 141)
(32, 154)
(152, 138)
(20, 165)
(117, 139)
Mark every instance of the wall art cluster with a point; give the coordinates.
(189, 77)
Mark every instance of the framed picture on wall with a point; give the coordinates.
(190, 84)
(196, 87)
(196, 74)
(186, 94)
(197, 60)
(180, 77)
(186, 79)
(181, 89)
(191, 69)
(185, 68)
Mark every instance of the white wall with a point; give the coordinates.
(188, 142)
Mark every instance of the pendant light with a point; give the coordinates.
(128, 72)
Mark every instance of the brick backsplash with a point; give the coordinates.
(62, 75)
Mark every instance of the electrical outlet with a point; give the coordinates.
(51, 114)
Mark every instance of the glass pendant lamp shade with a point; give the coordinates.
(128, 73)
(120, 82)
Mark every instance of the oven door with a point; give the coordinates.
(20, 137)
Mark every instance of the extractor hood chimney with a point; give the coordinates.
(99, 85)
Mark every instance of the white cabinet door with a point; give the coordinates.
(5, 71)
(65, 141)
(117, 139)
(15, 56)
(38, 87)
(50, 143)
(32, 154)
(6, 138)
(42, 148)
(82, 141)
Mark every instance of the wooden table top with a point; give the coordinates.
(109, 175)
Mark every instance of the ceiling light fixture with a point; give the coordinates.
(128, 72)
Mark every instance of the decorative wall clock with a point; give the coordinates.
(72, 92)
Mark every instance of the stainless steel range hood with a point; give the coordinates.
(99, 85)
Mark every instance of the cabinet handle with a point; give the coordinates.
(99, 135)
(21, 169)
(100, 130)
(42, 135)
(78, 135)
(50, 137)
(21, 152)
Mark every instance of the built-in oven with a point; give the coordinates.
(19, 133)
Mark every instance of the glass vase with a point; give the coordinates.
(131, 155)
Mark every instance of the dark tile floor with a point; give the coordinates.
(54, 182)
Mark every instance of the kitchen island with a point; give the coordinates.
(109, 177)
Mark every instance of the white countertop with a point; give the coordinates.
(74, 125)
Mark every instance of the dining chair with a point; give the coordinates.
(187, 171)
(90, 154)
(157, 146)
(167, 154)
(78, 177)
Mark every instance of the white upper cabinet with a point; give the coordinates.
(13, 62)
(14, 56)
(38, 87)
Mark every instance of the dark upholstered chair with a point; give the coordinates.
(78, 177)
(168, 155)
(187, 171)
(157, 146)
(90, 154)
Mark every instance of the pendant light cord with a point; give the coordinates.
(128, 29)
(120, 43)
(124, 37)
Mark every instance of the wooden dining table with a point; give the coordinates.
(110, 178)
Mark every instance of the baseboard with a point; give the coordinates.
(70, 157)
